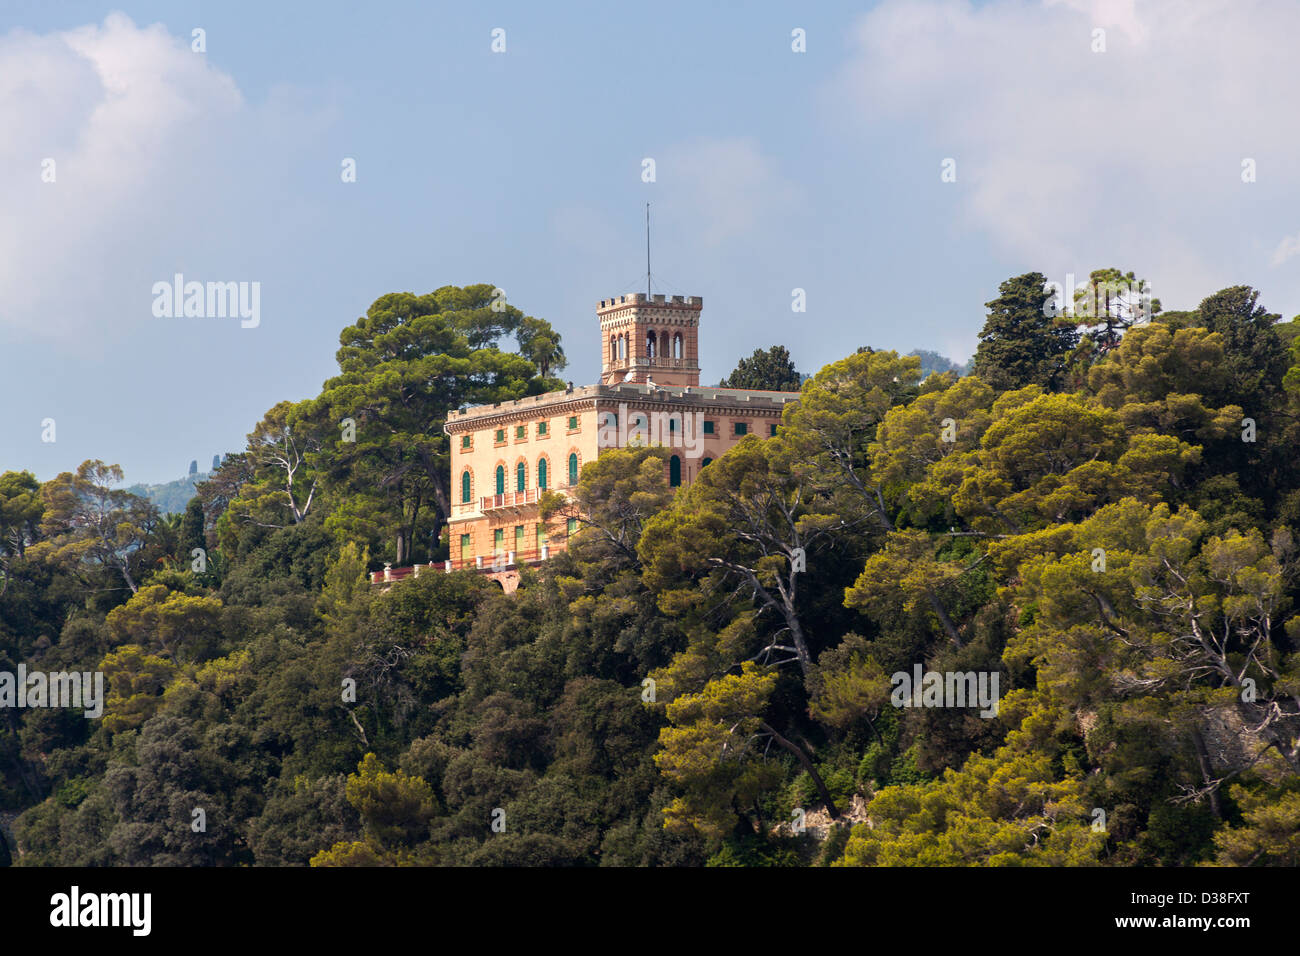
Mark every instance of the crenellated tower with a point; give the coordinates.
(650, 338)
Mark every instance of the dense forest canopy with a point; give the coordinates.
(1100, 521)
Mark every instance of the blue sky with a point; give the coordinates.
(775, 170)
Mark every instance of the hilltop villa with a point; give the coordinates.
(503, 456)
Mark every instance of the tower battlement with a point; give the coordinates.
(640, 298)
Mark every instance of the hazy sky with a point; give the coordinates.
(775, 170)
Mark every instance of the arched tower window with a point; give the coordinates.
(650, 345)
(501, 479)
(464, 486)
(663, 344)
(677, 345)
(613, 349)
(622, 346)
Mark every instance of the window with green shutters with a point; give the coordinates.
(571, 526)
(501, 435)
(521, 431)
(573, 423)
(541, 428)
(501, 480)
(498, 540)
(464, 547)
(464, 486)
(742, 428)
(541, 474)
(464, 441)
(573, 469)
(771, 429)
(519, 539)
(541, 537)
(521, 477)
(708, 427)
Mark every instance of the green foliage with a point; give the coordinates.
(772, 370)
(1080, 519)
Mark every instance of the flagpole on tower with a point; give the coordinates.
(647, 250)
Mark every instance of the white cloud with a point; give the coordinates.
(1070, 159)
(1288, 247)
(727, 186)
(158, 160)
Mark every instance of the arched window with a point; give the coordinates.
(663, 344)
(677, 345)
(464, 486)
(573, 469)
(650, 345)
(521, 477)
(541, 474)
(613, 348)
(622, 346)
(706, 463)
(501, 479)
(674, 471)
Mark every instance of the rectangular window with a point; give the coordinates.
(498, 540)
(573, 423)
(541, 537)
(772, 430)
(708, 427)
(501, 435)
(464, 441)
(672, 425)
(541, 428)
(521, 432)
(519, 539)
(465, 548)
(742, 428)
(572, 526)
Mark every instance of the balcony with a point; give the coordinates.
(511, 499)
(640, 361)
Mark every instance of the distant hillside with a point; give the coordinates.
(934, 362)
(172, 497)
